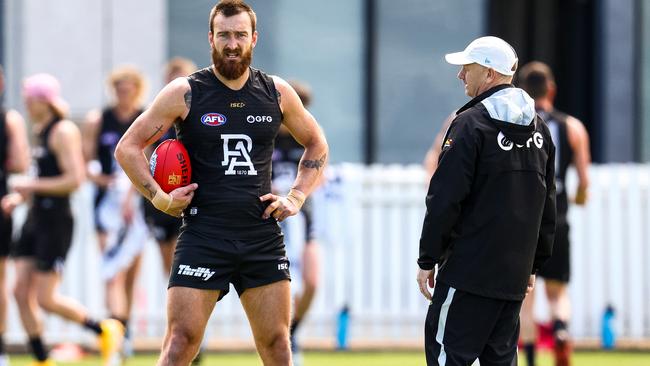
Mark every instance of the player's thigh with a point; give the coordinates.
(554, 289)
(528, 306)
(527, 316)
(25, 268)
(188, 309)
(268, 309)
(46, 283)
(311, 263)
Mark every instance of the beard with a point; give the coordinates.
(232, 69)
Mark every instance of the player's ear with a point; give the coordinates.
(210, 39)
(254, 38)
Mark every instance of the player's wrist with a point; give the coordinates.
(296, 197)
(162, 201)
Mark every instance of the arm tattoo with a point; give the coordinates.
(158, 129)
(188, 98)
(314, 164)
(149, 189)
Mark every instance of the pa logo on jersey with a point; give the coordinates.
(236, 154)
(213, 119)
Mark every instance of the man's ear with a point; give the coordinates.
(491, 74)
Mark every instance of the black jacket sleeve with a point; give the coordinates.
(547, 227)
(449, 186)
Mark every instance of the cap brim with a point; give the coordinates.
(458, 58)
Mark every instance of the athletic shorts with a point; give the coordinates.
(558, 266)
(205, 260)
(163, 227)
(462, 327)
(5, 234)
(46, 237)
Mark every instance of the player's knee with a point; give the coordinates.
(21, 294)
(310, 284)
(276, 343)
(45, 301)
(181, 343)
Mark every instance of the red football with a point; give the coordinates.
(170, 165)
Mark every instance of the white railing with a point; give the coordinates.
(369, 221)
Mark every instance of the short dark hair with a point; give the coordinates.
(230, 8)
(534, 78)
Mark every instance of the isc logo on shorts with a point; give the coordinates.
(283, 266)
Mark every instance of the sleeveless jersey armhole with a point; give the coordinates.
(194, 95)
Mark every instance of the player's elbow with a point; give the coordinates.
(75, 180)
(121, 152)
(18, 166)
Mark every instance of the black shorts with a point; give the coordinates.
(461, 327)
(5, 234)
(204, 260)
(163, 227)
(558, 266)
(46, 237)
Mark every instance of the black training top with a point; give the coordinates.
(47, 167)
(4, 144)
(557, 124)
(110, 132)
(490, 219)
(229, 136)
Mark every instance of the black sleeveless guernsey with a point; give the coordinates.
(229, 135)
(111, 130)
(48, 167)
(557, 124)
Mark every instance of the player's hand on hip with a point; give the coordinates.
(282, 207)
(176, 201)
(531, 284)
(425, 278)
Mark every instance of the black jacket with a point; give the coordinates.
(490, 218)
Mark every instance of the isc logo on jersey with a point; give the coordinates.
(213, 119)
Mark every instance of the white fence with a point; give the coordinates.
(369, 221)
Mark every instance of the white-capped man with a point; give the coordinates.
(490, 214)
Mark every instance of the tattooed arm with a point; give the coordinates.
(172, 103)
(307, 132)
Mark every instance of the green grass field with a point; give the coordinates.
(369, 359)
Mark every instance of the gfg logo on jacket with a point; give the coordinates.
(506, 145)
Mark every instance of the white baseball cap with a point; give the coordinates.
(492, 52)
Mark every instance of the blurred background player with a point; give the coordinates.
(305, 259)
(122, 236)
(165, 228)
(572, 148)
(431, 158)
(47, 232)
(14, 158)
